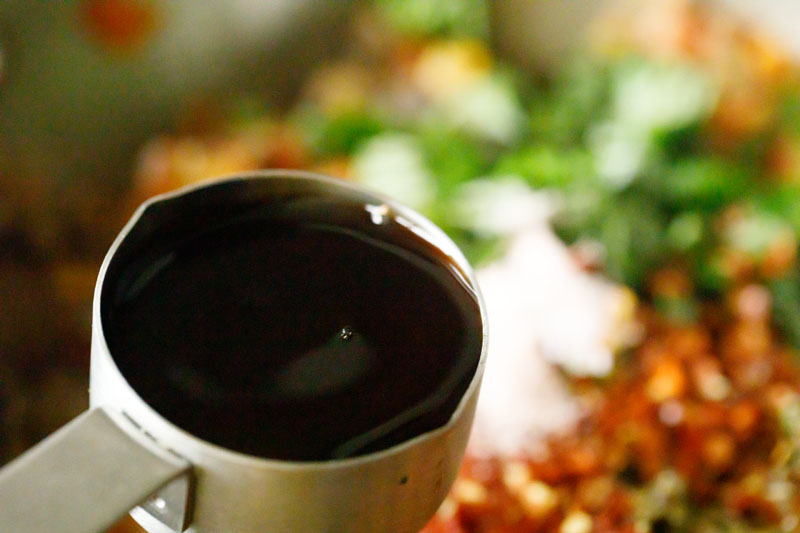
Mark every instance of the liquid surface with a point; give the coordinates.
(324, 332)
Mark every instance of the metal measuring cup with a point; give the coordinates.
(121, 454)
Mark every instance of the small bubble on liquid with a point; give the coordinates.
(346, 333)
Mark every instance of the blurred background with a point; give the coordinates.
(625, 176)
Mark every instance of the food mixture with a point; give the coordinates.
(669, 162)
(666, 158)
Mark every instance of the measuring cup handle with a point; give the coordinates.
(88, 474)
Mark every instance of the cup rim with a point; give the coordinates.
(219, 452)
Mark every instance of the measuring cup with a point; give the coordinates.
(122, 455)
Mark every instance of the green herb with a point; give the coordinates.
(425, 18)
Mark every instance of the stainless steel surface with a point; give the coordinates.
(87, 475)
(395, 490)
(122, 451)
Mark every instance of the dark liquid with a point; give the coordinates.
(305, 334)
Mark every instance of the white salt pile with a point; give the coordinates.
(543, 310)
